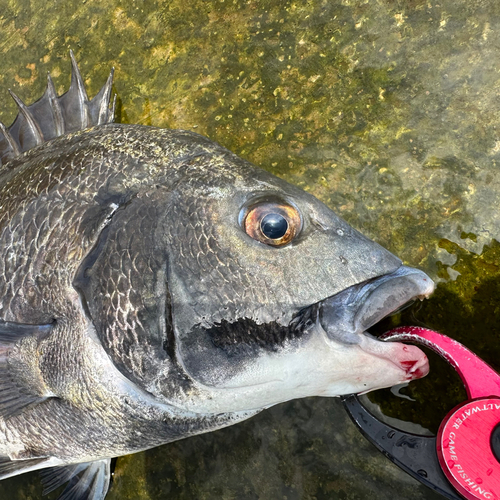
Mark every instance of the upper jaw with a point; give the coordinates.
(351, 312)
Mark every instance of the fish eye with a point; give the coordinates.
(274, 226)
(273, 223)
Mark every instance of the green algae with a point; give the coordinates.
(341, 98)
(385, 110)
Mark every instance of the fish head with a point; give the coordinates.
(270, 294)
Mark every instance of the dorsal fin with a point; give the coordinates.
(52, 115)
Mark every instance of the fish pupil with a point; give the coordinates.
(274, 226)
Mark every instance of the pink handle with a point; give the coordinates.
(480, 380)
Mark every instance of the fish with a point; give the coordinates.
(155, 286)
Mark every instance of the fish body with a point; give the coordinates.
(154, 286)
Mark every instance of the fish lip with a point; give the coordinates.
(348, 314)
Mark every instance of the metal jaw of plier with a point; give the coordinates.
(463, 460)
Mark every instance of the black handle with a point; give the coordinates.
(413, 453)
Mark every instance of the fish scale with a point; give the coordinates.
(147, 310)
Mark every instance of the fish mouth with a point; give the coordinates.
(323, 351)
(348, 314)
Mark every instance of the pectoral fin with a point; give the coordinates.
(86, 481)
(9, 468)
(21, 383)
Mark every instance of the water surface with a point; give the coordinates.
(385, 110)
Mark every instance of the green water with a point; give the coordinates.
(387, 111)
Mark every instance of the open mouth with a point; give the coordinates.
(324, 351)
(353, 311)
(345, 318)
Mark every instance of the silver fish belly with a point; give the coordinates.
(154, 286)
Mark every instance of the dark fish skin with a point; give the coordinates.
(136, 308)
(59, 210)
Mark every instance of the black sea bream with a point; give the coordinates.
(154, 286)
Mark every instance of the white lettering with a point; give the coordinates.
(467, 413)
(470, 483)
(456, 467)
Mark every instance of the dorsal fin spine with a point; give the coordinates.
(14, 148)
(52, 115)
(77, 83)
(111, 115)
(54, 104)
(32, 124)
(104, 105)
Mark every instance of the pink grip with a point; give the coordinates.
(480, 380)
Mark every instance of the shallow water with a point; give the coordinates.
(385, 110)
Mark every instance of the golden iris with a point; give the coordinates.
(273, 223)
